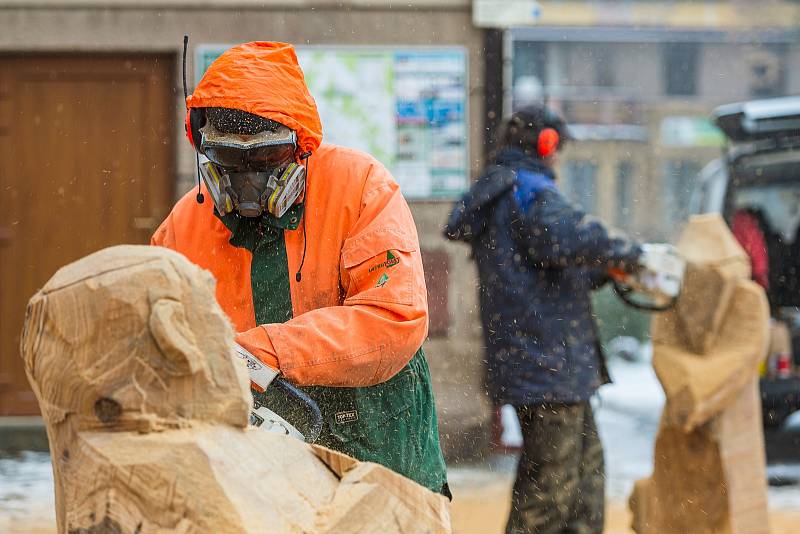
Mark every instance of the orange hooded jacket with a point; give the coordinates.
(360, 308)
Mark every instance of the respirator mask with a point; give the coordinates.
(252, 174)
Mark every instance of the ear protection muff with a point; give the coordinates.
(547, 142)
(195, 119)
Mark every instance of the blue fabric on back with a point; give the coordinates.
(529, 184)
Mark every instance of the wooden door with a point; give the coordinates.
(86, 161)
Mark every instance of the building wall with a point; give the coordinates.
(734, 14)
(607, 156)
(89, 27)
(635, 94)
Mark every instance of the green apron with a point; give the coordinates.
(393, 423)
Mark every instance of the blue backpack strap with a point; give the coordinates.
(528, 185)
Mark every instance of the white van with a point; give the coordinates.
(755, 185)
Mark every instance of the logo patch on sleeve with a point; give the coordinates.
(346, 417)
(391, 261)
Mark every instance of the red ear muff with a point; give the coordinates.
(195, 119)
(187, 127)
(547, 143)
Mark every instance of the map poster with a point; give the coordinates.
(405, 106)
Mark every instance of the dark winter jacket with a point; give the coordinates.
(538, 260)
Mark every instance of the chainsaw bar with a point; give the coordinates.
(262, 417)
(265, 419)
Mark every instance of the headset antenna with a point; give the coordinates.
(200, 198)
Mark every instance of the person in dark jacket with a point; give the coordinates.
(538, 260)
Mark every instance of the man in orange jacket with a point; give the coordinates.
(316, 258)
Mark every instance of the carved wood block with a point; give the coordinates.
(709, 473)
(147, 410)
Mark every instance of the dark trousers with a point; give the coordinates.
(560, 485)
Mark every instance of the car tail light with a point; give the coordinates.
(783, 367)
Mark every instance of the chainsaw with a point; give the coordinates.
(269, 379)
(657, 284)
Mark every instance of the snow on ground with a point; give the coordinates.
(784, 490)
(627, 414)
(26, 491)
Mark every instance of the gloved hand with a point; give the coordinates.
(261, 374)
(659, 278)
(662, 270)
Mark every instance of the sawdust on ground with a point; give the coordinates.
(484, 511)
(482, 508)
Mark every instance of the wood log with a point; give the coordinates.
(147, 407)
(716, 262)
(711, 480)
(700, 386)
(709, 474)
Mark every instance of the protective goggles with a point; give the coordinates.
(259, 152)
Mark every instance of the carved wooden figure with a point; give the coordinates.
(147, 408)
(709, 474)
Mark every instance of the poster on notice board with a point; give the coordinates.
(405, 106)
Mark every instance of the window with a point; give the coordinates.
(530, 72)
(767, 69)
(581, 181)
(530, 59)
(624, 210)
(604, 65)
(680, 69)
(679, 179)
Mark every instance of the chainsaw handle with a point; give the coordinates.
(311, 407)
(624, 292)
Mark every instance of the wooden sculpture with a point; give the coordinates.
(147, 409)
(709, 474)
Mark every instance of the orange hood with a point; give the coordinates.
(265, 79)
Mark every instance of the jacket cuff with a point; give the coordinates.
(258, 342)
(274, 332)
